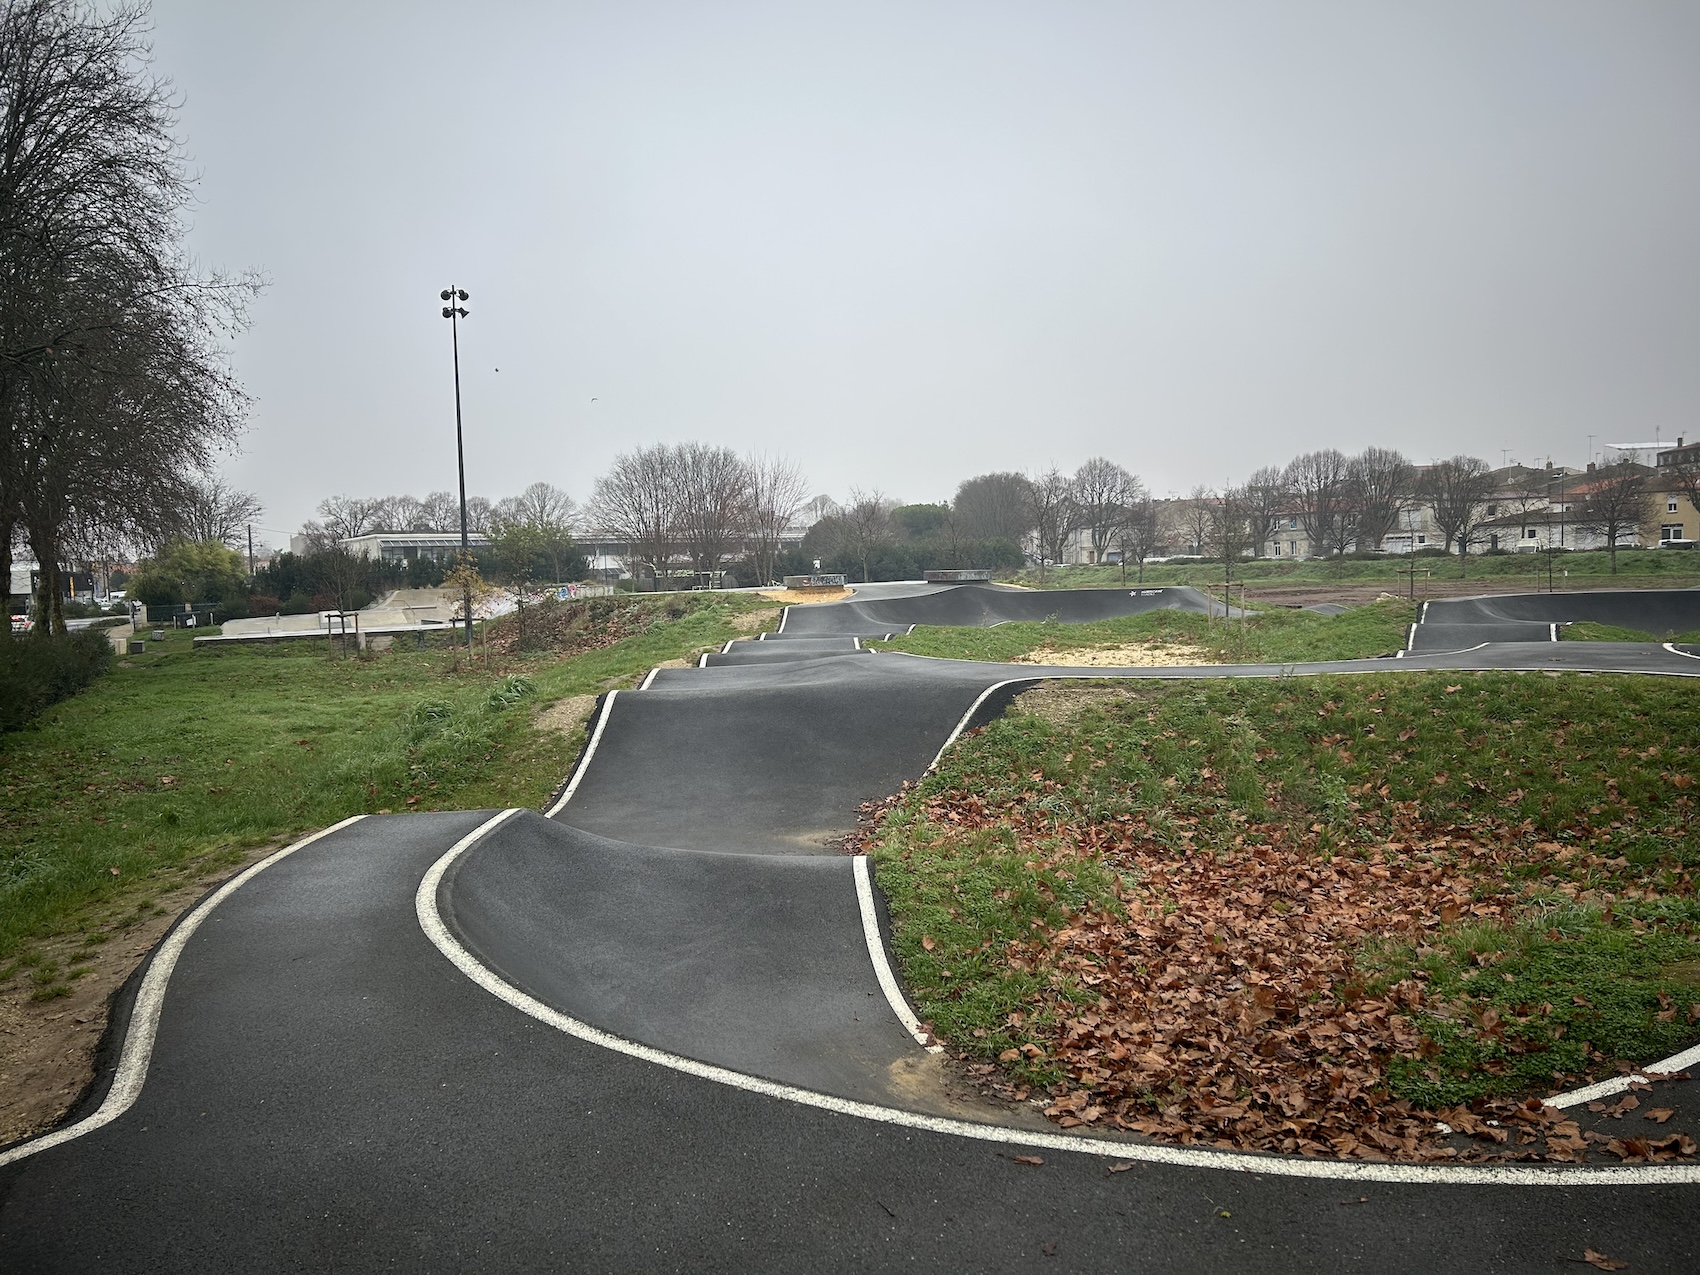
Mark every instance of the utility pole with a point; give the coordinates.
(250, 551)
(454, 314)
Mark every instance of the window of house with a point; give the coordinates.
(1493, 542)
(1493, 511)
(1292, 524)
(1422, 540)
(1292, 548)
(1670, 504)
(1671, 531)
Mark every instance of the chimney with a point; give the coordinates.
(1590, 467)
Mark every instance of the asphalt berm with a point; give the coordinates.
(326, 1090)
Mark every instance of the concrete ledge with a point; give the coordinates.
(971, 575)
(816, 582)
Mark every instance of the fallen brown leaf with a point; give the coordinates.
(1601, 1262)
(1028, 1159)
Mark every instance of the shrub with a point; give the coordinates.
(41, 670)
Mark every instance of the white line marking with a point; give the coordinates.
(783, 616)
(855, 644)
(703, 662)
(1423, 614)
(1554, 632)
(728, 645)
(979, 700)
(1411, 639)
(1617, 1084)
(584, 762)
(1671, 647)
(650, 678)
(882, 967)
(425, 905)
(150, 1000)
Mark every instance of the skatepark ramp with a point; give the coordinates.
(1457, 624)
(982, 605)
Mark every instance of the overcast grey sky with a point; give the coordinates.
(909, 242)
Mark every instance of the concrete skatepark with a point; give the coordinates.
(658, 1028)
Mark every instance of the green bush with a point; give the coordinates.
(39, 670)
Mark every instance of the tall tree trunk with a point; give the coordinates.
(49, 604)
(7, 526)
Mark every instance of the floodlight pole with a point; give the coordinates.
(454, 314)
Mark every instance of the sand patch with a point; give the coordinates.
(1132, 655)
(799, 597)
(566, 715)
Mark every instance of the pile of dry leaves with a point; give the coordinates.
(1230, 1012)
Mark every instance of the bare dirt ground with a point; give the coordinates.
(756, 621)
(47, 1046)
(1129, 655)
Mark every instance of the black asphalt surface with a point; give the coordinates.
(980, 604)
(773, 980)
(329, 1092)
(1453, 624)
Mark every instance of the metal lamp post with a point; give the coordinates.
(454, 314)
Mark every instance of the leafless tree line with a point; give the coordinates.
(705, 504)
(115, 391)
(541, 506)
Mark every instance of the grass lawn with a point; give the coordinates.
(1296, 914)
(1588, 570)
(1274, 636)
(1589, 631)
(187, 756)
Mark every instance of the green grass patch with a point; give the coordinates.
(1566, 803)
(181, 755)
(1590, 631)
(1276, 635)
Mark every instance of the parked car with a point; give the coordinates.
(22, 624)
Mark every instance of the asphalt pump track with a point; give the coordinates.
(658, 1029)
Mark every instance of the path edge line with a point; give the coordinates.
(584, 762)
(882, 964)
(425, 907)
(132, 1070)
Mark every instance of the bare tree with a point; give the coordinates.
(1053, 513)
(1229, 532)
(344, 517)
(1615, 504)
(545, 506)
(777, 490)
(114, 386)
(1197, 518)
(866, 526)
(1320, 485)
(994, 507)
(1380, 483)
(480, 516)
(217, 511)
(439, 511)
(637, 501)
(1137, 534)
(534, 525)
(1103, 491)
(1459, 490)
(1266, 498)
(713, 503)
